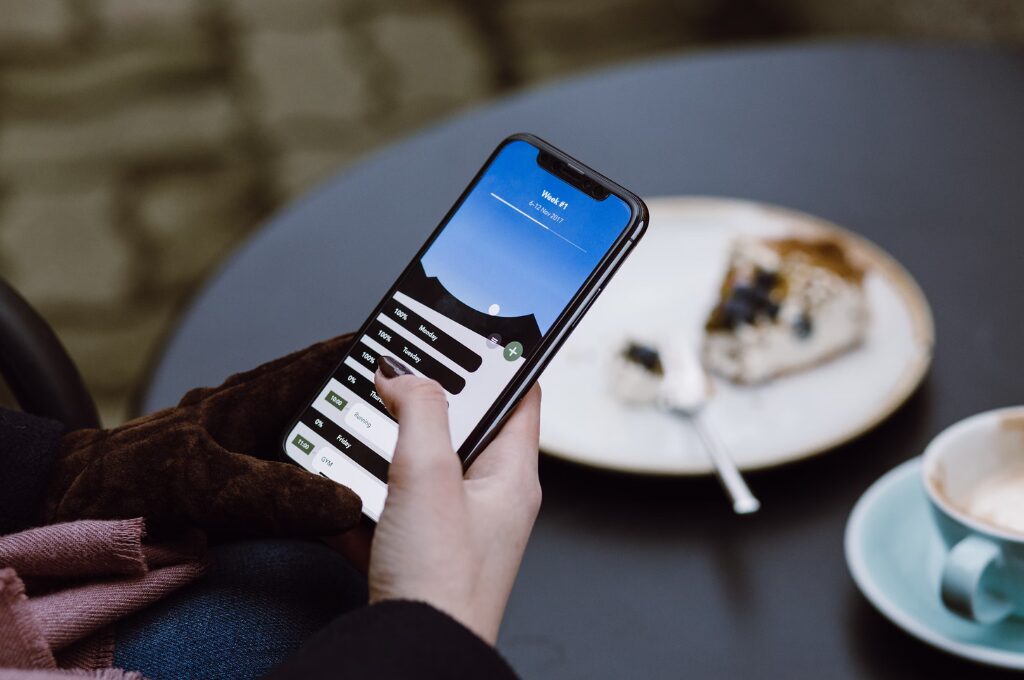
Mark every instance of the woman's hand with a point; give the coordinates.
(454, 541)
(212, 462)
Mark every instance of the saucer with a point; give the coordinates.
(895, 556)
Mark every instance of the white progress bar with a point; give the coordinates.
(538, 223)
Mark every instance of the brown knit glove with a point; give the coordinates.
(212, 461)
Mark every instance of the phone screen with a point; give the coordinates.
(468, 313)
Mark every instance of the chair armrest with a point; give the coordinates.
(37, 368)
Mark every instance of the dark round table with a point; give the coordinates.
(921, 149)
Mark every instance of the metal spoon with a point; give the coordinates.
(684, 391)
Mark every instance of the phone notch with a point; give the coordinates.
(572, 175)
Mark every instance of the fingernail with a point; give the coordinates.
(391, 367)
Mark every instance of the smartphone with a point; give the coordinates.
(482, 308)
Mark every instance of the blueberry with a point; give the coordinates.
(762, 298)
(740, 310)
(803, 327)
(766, 280)
(744, 293)
(644, 355)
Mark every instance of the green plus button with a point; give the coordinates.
(303, 443)
(513, 351)
(334, 399)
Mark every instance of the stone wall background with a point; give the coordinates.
(141, 140)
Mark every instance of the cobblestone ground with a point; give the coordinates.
(140, 140)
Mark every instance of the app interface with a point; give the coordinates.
(468, 314)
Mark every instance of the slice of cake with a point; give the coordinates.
(784, 305)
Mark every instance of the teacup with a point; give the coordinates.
(974, 477)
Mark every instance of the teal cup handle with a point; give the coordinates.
(970, 581)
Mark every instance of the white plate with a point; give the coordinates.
(895, 555)
(665, 289)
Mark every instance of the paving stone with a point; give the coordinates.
(33, 24)
(294, 14)
(113, 409)
(433, 59)
(181, 201)
(61, 248)
(552, 38)
(301, 170)
(315, 74)
(94, 80)
(978, 20)
(167, 126)
(114, 348)
(149, 16)
(192, 219)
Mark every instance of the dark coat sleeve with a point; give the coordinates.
(28, 447)
(398, 639)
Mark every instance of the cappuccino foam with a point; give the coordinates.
(998, 500)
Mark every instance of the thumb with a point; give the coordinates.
(421, 407)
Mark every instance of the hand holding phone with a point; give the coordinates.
(454, 542)
(481, 310)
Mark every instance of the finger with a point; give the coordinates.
(514, 450)
(524, 423)
(421, 408)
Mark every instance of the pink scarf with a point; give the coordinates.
(61, 587)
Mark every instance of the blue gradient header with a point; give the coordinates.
(524, 241)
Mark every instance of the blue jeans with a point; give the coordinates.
(258, 603)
